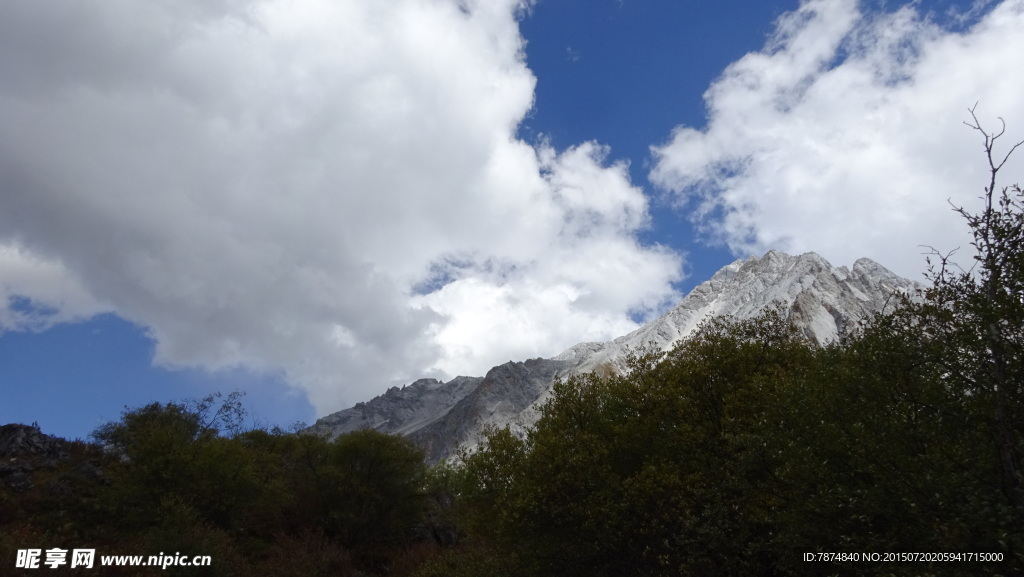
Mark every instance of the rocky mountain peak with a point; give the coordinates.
(822, 300)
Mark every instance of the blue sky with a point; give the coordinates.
(313, 201)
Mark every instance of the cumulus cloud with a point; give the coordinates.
(590, 270)
(37, 294)
(845, 134)
(329, 190)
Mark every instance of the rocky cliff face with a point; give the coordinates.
(821, 299)
(24, 449)
(499, 399)
(400, 411)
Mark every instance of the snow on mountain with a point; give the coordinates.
(821, 300)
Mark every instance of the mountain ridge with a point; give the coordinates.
(822, 300)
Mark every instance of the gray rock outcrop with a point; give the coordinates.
(399, 411)
(23, 450)
(497, 400)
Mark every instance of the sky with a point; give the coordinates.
(311, 201)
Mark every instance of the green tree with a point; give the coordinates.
(372, 492)
(664, 470)
(977, 318)
(991, 311)
(174, 450)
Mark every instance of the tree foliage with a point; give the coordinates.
(185, 477)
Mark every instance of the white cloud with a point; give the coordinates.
(574, 287)
(845, 136)
(36, 294)
(281, 184)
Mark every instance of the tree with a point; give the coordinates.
(372, 491)
(995, 305)
(978, 317)
(173, 452)
(668, 469)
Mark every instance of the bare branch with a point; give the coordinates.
(944, 261)
(990, 139)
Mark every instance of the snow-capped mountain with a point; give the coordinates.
(822, 301)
